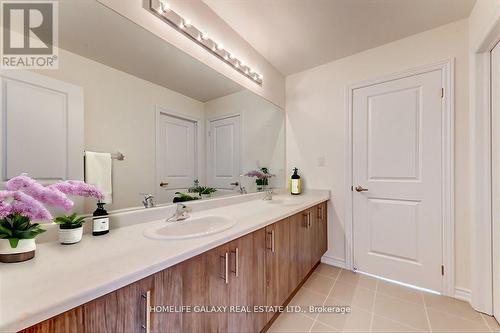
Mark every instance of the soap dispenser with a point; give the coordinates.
(100, 220)
(295, 182)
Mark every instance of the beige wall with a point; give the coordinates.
(481, 19)
(315, 105)
(263, 132)
(120, 111)
(203, 17)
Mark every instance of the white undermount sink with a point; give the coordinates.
(286, 201)
(191, 228)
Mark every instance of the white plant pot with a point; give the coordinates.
(24, 250)
(70, 236)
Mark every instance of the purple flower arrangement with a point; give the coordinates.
(258, 174)
(262, 177)
(24, 201)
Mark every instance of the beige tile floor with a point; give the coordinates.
(377, 306)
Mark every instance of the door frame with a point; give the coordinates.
(481, 296)
(207, 139)
(447, 169)
(159, 111)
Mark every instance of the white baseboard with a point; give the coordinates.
(337, 262)
(462, 294)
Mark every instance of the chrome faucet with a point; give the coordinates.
(269, 194)
(149, 200)
(181, 213)
(241, 188)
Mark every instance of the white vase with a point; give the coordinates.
(70, 236)
(24, 250)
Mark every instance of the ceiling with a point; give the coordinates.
(295, 35)
(92, 30)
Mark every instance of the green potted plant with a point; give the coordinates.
(182, 197)
(20, 204)
(70, 228)
(17, 237)
(203, 191)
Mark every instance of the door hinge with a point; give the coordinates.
(352, 187)
(442, 270)
(442, 92)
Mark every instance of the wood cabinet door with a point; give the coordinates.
(322, 230)
(168, 286)
(299, 247)
(124, 310)
(278, 284)
(69, 321)
(246, 283)
(217, 288)
(194, 292)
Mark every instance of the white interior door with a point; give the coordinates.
(397, 158)
(224, 138)
(176, 155)
(495, 158)
(41, 127)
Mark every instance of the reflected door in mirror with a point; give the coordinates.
(224, 137)
(177, 155)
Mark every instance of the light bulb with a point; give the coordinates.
(187, 23)
(220, 46)
(164, 6)
(204, 35)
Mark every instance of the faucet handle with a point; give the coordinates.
(148, 201)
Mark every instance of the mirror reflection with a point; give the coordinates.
(141, 120)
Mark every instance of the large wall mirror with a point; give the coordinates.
(136, 116)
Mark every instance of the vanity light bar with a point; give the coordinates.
(184, 25)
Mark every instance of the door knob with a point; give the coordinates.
(234, 184)
(163, 184)
(360, 189)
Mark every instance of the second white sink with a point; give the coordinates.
(191, 228)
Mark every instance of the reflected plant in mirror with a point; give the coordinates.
(262, 178)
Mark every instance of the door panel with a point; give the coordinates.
(397, 157)
(224, 152)
(177, 154)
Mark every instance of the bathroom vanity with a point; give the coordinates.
(166, 128)
(259, 262)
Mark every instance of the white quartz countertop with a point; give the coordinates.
(60, 278)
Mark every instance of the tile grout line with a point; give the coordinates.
(373, 305)
(426, 312)
(324, 302)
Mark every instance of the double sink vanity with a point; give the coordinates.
(234, 259)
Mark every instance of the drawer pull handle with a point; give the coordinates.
(236, 262)
(272, 241)
(147, 314)
(225, 274)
